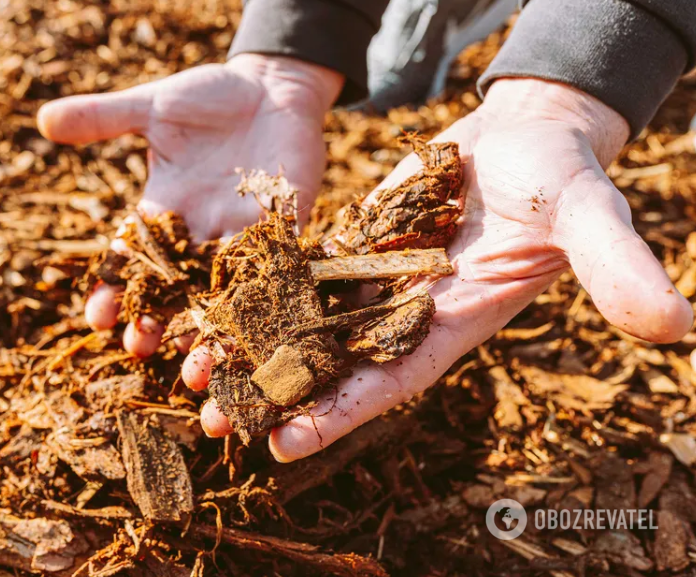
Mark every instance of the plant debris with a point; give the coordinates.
(264, 302)
(158, 479)
(416, 214)
(558, 410)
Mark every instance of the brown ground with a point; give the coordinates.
(558, 410)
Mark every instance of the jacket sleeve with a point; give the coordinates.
(332, 33)
(628, 54)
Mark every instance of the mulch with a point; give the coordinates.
(558, 411)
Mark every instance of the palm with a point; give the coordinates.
(202, 124)
(531, 210)
(198, 139)
(509, 248)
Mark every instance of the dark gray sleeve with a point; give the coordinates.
(628, 54)
(333, 33)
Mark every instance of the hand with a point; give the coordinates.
(538, 201)
(252, 112)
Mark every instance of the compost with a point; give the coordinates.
(288, 334)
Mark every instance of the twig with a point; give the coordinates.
(114, 512)
(348, 565)
(71, 350)
(154, 251)
(347, 320)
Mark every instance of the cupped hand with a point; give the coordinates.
(252, 112)
(538, 201)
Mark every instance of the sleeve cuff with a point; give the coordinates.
(611, 49)
(331, 34)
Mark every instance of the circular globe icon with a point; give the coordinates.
(506, 519)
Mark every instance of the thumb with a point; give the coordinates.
(627, 283)
(92, 117)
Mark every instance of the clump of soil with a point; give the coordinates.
(268, 369)
(276, 332)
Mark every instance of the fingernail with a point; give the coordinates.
(101, 310)
(195, 370)
(277, 455)
(213, 422)
(143, 337)
(279, 438)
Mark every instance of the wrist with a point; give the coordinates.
(529, 98)
(294, 82)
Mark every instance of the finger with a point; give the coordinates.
(184, 342)
(369, 392)
(101, 310)
(213, 422)
(142, 337)
(103, 305)
(91, 117)
(627, 283)
(195, 370)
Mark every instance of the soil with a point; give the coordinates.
(104, 467)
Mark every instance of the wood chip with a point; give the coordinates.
(510, 398)
(384, 265)
(39, 545)
(284, 378)
(157, 477)
(682, 445)
(671, 542)
(579, 392)
(659, 467)
(659, 382)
